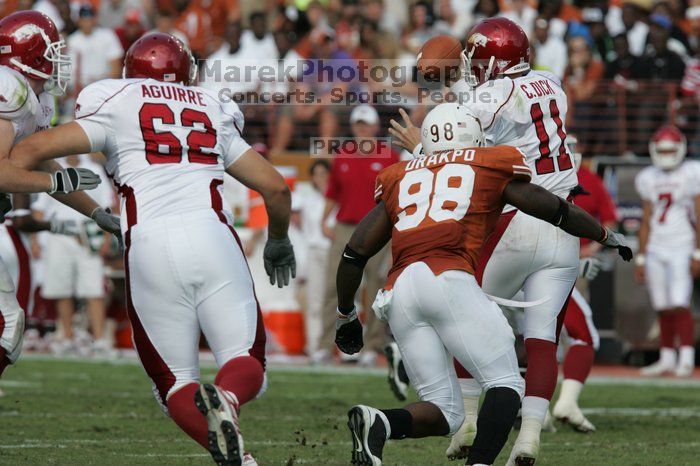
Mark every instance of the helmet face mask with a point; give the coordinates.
(30, 44)
(667, 148)
(448, 127)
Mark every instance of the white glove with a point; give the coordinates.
(73, 179)
(588, 268)
(64, 227)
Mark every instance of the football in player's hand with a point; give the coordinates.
(439, 58)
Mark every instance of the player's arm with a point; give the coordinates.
(643, 237)
(258, 174)
(540, 203)
(16, 175)
(695, 264)
(370, 236)
(39, 150)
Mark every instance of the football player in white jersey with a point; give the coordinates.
(168, 145)
(669, 246)
(526, 109)
(32, 67)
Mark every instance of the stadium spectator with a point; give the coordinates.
(594, 19)
(678, 39)
(693, 18)
(131, 30)
(559, 15)
(633, 25)
(454, 23)
(113, 13)
(420, 29)
(351, 191)
(486, 9)
(74, 266)
(52, 9)
(95, 51)
(258, 40)
(307, 208)
(522, 14)
(165, 22)
(202, 21)
(551, 52)
(581, 80)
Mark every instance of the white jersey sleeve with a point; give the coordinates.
(232, 119)
(14, 95)
(92, 112)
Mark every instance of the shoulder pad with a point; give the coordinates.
(14, 94)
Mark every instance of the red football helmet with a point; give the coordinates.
(495, 46)
(667, 147)
(161, 57)
(30, 44)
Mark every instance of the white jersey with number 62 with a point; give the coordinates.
(527, 112)
(167, 145)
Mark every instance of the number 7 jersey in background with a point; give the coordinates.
(443, 207)
(527, 112)
(672, 197)
(167, 145)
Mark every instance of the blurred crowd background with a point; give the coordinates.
(627, 65)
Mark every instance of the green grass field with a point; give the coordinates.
(74, 412)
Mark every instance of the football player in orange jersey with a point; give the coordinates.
(438, 210)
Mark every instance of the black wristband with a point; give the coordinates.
(354, 258)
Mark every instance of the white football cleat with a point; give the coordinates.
(548, 424)
(571, 414)
(461, 441)
(221, 410)
(657, 369)
(248, 460)
(527, 445)
(684, 370)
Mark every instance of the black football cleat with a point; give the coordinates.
(369, 434)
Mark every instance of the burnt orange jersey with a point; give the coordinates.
(443, 207)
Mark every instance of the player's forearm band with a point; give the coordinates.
(562, 213)
(354, 258)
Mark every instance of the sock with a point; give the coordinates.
(570, 391)
(243, 376)
(400, 423)
(578, 362)
(667, 357)
(496, 418)
(667, 329)
(685, 327)
(542, 370)
(686, 356)
(535, 407)
(184, 412)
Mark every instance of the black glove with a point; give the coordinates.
(616, 240)
(73, 179)
(348, 332)
(5, 205)
(279, 260)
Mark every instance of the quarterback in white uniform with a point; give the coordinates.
(669, 246)
(32, 67)
(526, 109)
(168, 145)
